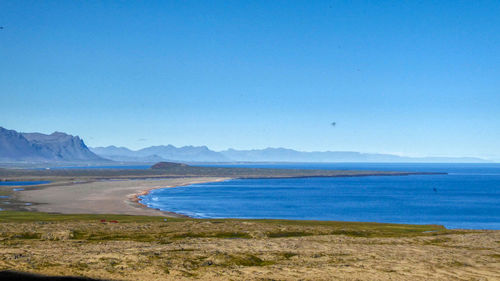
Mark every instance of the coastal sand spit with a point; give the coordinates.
(102, 197)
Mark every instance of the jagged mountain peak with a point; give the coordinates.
(58, 146)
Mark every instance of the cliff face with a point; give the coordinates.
(36, 147)
(14, 145)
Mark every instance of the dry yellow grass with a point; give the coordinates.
(148, 248)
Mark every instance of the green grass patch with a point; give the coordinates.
(18, 216)
(280, 234)
(27, 235)
(246, 260)
(438, 241)
(226, 235)
(80, 266)
(362, 229)
(296, 228)
(182, 250)
(288, 255)
(458, 264)
(115, 236)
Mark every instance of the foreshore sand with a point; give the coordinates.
(103, 197)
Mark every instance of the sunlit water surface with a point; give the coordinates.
(467, 197)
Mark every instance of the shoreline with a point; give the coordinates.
(135, 198)
(102, 197)
(121, 195)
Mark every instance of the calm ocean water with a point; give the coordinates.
(467, 197)
(22, 183)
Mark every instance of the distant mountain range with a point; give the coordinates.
(161, 153)
(61, 147)
(36, 147)
(204, 154)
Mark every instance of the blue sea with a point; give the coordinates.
(467, 197)
(116, 167)
(22, 183)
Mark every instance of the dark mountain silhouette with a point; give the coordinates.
(37, 147)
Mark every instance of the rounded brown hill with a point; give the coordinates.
(167, 165)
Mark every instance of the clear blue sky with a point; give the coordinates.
(417, 78)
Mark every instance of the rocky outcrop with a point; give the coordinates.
(167, 165)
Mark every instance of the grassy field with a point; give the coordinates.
(152, 248)
(294, 228)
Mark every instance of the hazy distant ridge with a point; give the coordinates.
(204, 154)
(161, 153)
(61, 147)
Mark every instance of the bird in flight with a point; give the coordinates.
(334, 124)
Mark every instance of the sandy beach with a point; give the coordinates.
(102, 197)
